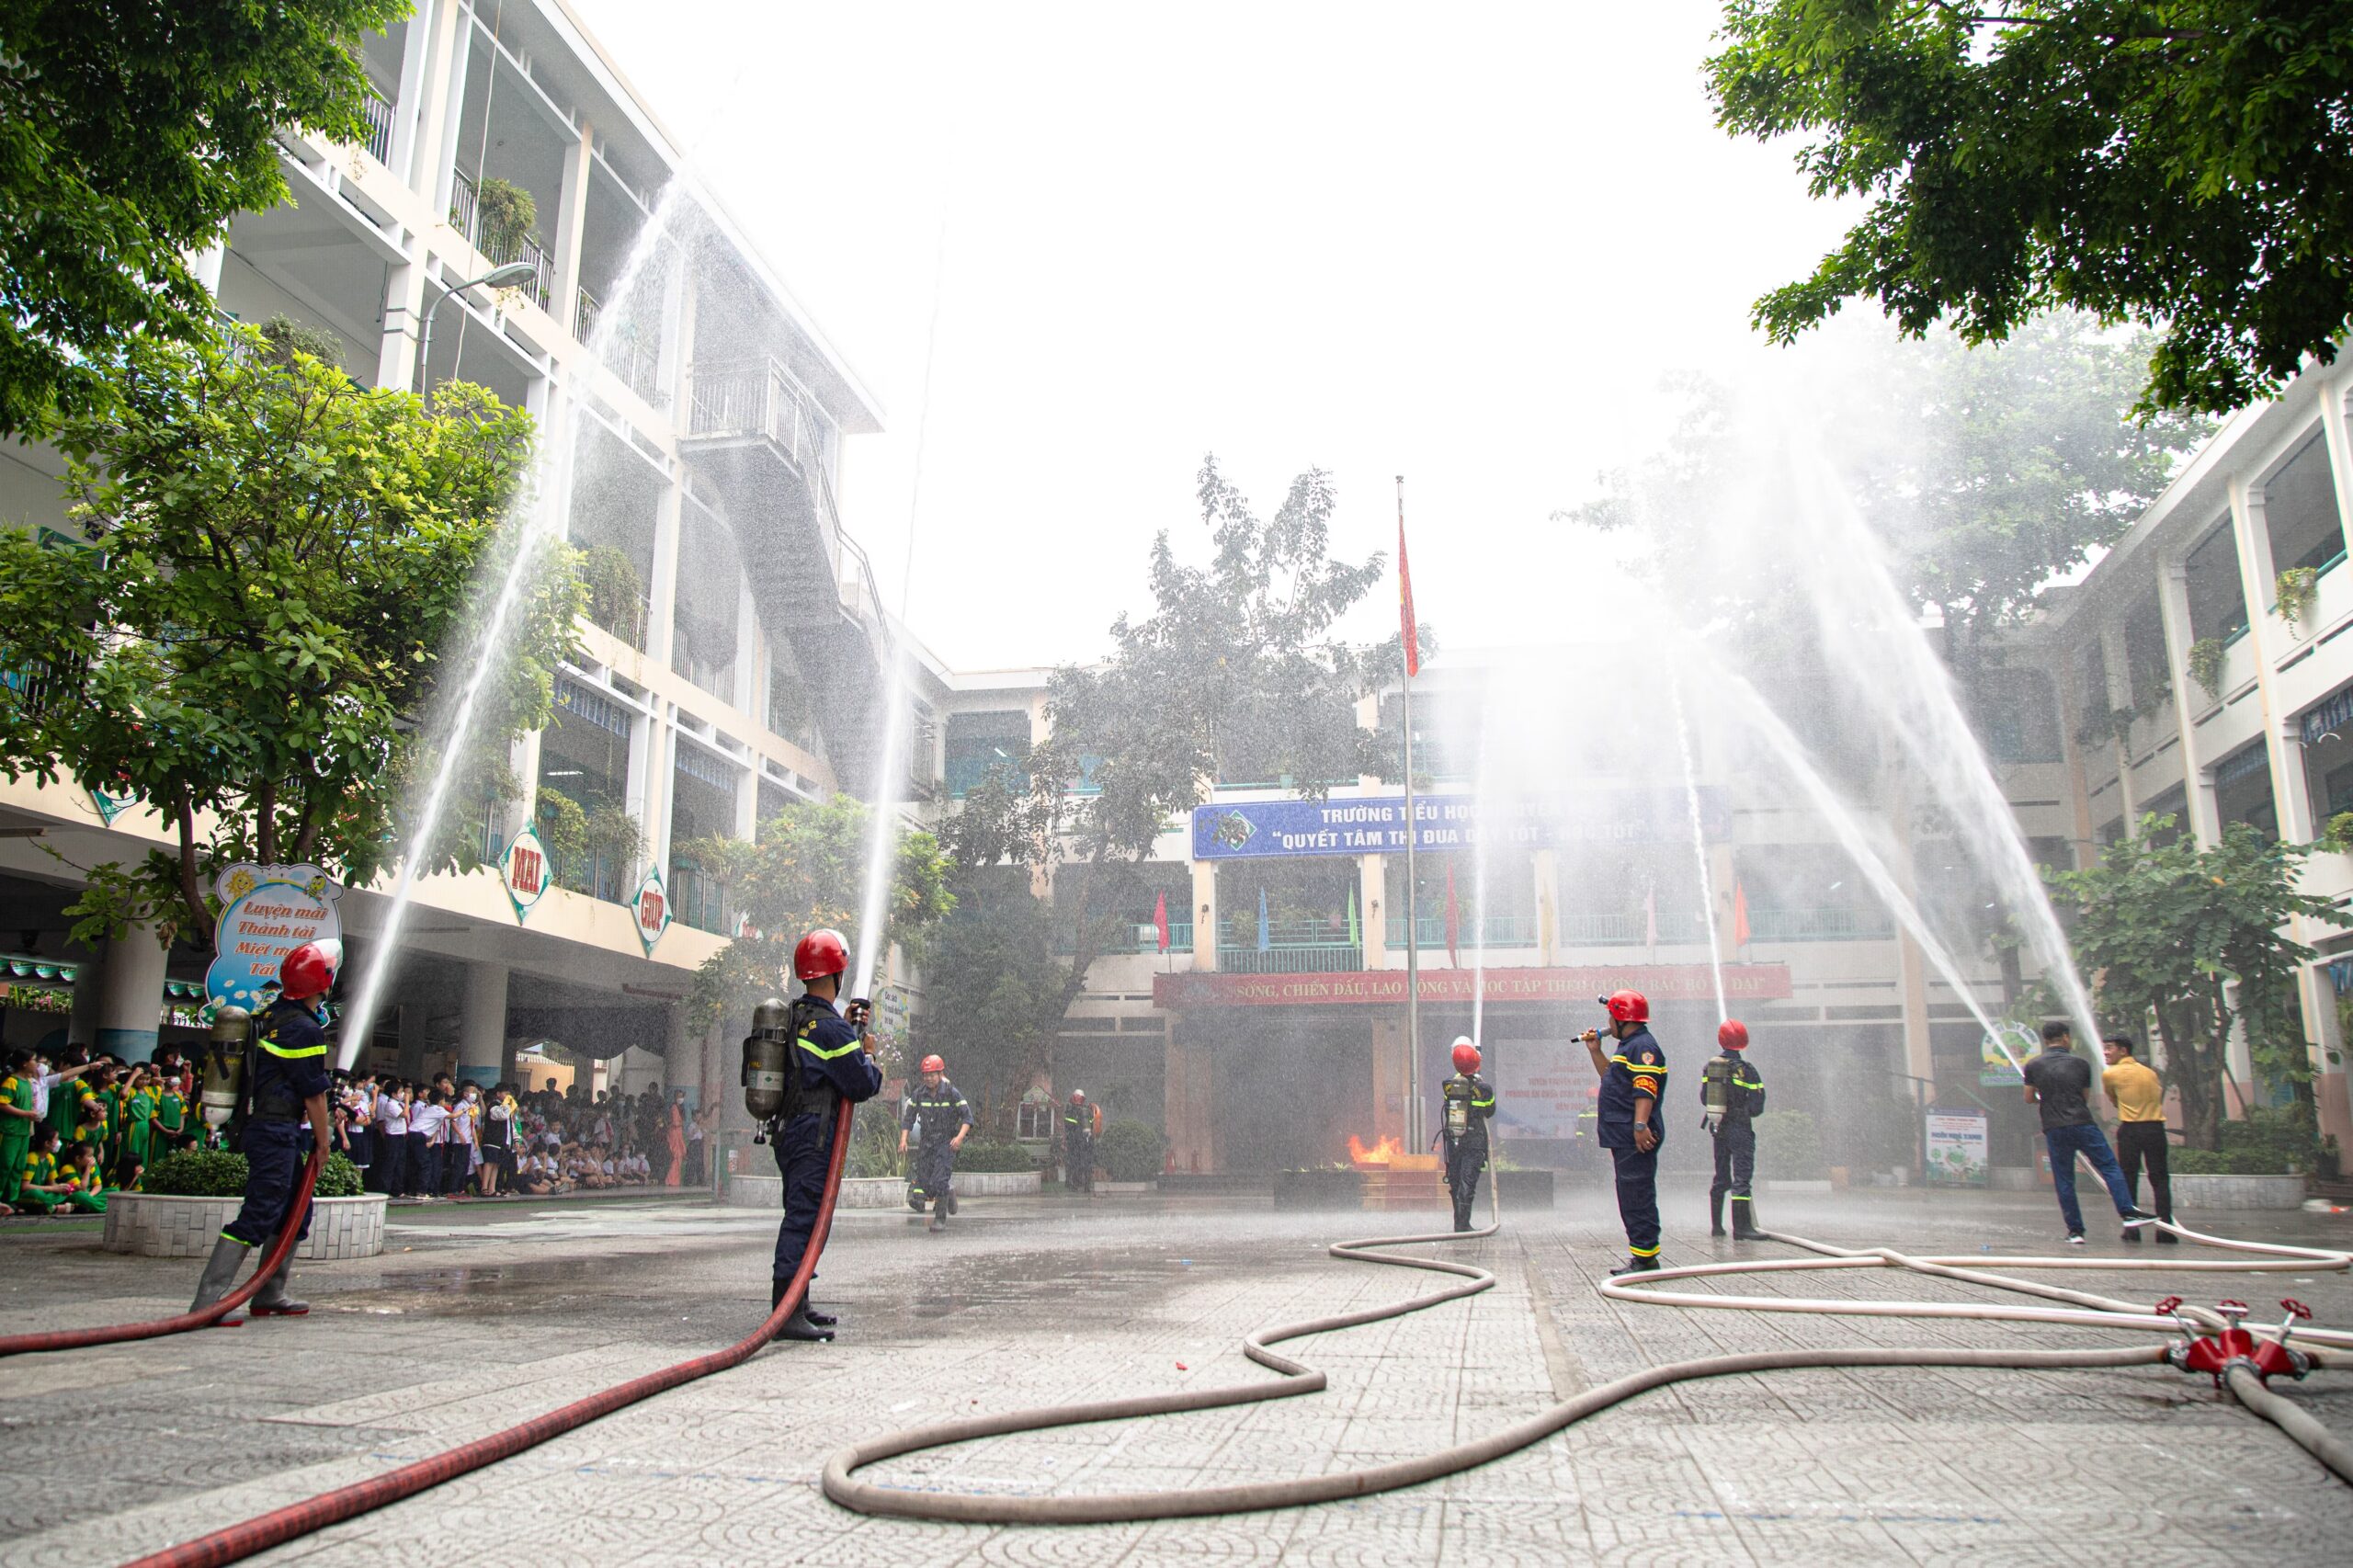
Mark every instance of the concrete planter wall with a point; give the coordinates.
(2238, 1191)
(153, 1225)
(1125, 1189)
(882, 1192)
(999, 1183)
(1779, 1184)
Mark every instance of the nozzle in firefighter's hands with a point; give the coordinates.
(860, 1012)
(1590, 1036)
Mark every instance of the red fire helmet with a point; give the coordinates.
(932, 1064)
(1627, 1007)
(819, 954)
(309, 969)
(1466, 1055)
(1732, 1035)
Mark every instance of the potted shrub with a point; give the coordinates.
(1789, 1153)
(2206, 666)
(1130, 1152)
(504, 216)
(994, 1167)
(2299, 590)
(188, 1196)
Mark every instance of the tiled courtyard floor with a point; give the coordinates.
(477, 1317)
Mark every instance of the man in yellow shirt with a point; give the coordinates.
(2140, 1096)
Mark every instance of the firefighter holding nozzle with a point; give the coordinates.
(1633, 1075)
(1731, 1093)
(270, 1073)
(800, 1062)
(1467, 1102)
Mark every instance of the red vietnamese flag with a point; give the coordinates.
(1454, 921)
(1739, 915)
(1160, 919)
(1406, 628)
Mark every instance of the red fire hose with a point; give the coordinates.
(282, 1525)
(81, 1338)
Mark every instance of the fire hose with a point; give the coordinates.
(281, 1525)
(289, 1236)
(842, 1484)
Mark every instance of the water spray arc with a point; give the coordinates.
(1699, 842)
(543, 514)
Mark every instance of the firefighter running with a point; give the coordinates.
(271, 1077)
(800, 1062)
(1631, 1127)
(938, 1117)
(1467, 1102)
(1731, 1093)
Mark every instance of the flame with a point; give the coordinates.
(1381, 1153)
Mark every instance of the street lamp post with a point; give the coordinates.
(513, 272)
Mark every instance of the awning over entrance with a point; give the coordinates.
(1660, 982)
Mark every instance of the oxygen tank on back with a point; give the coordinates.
(223, 1090)
(767, 1056)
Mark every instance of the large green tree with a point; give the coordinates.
(2186, 165)
(806, 868)
(131, 132)
(994, 987)
(276, 584)
(2195, 938)
(1237, 674)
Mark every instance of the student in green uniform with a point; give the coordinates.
(138, 1117)
(66, 1098)
(171, 1111)
(19, 1091)
(85, 1182)
(40, 1191)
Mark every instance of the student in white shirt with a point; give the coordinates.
(427, 1126)
(390, 1170)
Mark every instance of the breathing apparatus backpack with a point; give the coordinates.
(225, 1092)
(1723, 1095)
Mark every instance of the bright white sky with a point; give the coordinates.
(1460, 243)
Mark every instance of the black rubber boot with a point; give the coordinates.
(1743, 1222)
(1636, 1266)
(272, 1302)
(822, 1319)
(1715, 1213)
(915, 1198)
(948, 1198)
(221, 1277)
(796, 1323)
(2166, 1238)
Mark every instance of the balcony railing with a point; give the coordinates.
(1140, 938)
(379, 110)
(1336, 959)
(1502, 931)
(1820, 925)
(759, 399)
(465, 216)
(698, 900)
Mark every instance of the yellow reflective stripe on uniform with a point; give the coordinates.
(297, 1054)
(1644, 1252)
(823, 1054)
(1488, 1101)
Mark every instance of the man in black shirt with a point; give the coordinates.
(2058, 1083)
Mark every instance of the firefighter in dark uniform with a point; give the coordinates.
(1078, 1143)
(1466, 1102)
(937, 1113)
(1730, 1094)
(832, 1061)
(287, 1081)
(1633, 1074)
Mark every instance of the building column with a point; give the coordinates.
(571, 219)
(662, 593)
(1204, 919)
(403, 319)
(130, 995)
(1189, 1102)
(427, 28)
(2197, 776)
(482, 1025)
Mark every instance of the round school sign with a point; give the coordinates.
(266, 912)
(652, 907)
(525, 868)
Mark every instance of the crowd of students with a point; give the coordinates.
(76, 1127)
(87, 1124)
(439, 1138)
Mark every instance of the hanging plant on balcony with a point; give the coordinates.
(2206, 665)
(615, 593)
(2298, 588)
(504, 214)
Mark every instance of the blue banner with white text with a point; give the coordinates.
(1376, 825)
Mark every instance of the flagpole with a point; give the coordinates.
(1413, 887)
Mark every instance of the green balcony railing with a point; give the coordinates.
(1820, 925)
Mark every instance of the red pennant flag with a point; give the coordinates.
(1407, 628)
(1739, 915)
(1453, 922)
(1160, 919)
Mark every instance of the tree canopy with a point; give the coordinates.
(250, 634)
(2179, 163)
(805, 870)
(131, 132)
(2168, 928)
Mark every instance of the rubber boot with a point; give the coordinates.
(1636, 1266)
(822, 1319)
(221, 1277)
(915, 1198)
(1715, 1213)
(1743, 1222)
(948, 1198)
(797, 1325)
(272, 1302)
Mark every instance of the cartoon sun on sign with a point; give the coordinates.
(1234, 830)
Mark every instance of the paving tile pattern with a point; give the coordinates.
(473, 1319)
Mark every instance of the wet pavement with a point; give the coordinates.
(479, 1315)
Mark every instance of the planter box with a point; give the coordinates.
(153, 1225)
(1524, 1189)
(2238, 1192)
(1319, 1189)
(858, 1192)
(1779, 1184)
(1125, 1189)
(999, 1183)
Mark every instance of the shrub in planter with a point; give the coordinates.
(873, 1144)
(1129, 1151)
(1788, 1146)
(504, 214)
(221, 1173)
(985, 1158)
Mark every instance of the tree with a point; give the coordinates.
(2193, 937)
(804, 871)
(993, 988)
(1235, 674)
(2178, 163)
(131, 132)
(273, 571)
